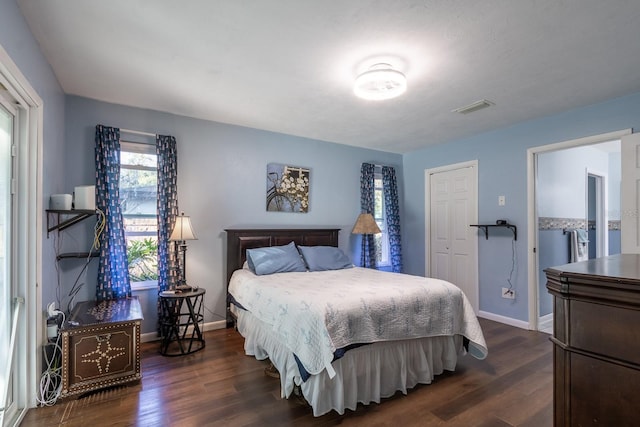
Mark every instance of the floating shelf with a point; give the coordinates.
(485, 228)
(77, 215)
(92, 254)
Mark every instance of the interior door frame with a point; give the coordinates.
(427, 218)
(532, 214)
(28, 231)
(602, 218)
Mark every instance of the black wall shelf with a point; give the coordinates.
(92, 254)
(76, 215)
(485, 228)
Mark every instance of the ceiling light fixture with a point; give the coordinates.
(380, 82)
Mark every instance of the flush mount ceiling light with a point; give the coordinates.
(380, 82)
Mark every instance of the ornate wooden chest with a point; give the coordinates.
(101, 345)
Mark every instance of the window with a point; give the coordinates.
(381, 240)
(138, 201)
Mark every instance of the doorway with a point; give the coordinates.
(598, 212)
(451, 244)
(560, 176)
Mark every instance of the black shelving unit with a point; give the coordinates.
(76, 215)
(92, 254)
(54, 223)
(485, 228)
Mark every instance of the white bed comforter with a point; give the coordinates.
(315, 313)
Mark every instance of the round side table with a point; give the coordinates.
(181, 322)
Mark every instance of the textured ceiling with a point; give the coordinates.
(288, 65)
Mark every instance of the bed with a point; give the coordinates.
(349, 335)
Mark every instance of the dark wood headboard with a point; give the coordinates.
(241, 239)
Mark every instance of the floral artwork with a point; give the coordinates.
(287, 188)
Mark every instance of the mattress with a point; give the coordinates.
(316, 314)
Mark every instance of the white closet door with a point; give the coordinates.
(453, 208)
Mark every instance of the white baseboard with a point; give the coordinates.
(210, 326)
(503, 319)
(545, 323)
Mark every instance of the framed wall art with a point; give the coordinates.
(287, 188)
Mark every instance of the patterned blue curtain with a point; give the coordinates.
(367, 195)
(392, 211)
(113, 270)
(167, 210)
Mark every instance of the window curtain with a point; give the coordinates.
(113, 269)
(167, 210)
(392, 211)
(367, 195)
(167, 154)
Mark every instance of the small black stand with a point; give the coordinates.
(181, 322)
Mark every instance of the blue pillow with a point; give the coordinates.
(275, 259)
(321, 258)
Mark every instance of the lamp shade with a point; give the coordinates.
(365, 224)
(182, 229)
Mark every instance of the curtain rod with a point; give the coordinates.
(137, 132)
(378, 165)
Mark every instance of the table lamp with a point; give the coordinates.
(182, 231)
(365, 224)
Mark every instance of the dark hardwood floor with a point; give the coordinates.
(220, 386)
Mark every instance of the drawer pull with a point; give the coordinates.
(103, 338)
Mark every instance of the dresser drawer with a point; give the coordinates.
(606, 330)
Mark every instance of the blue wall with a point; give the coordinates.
(16, 39)
(502, 170)
(222, 183)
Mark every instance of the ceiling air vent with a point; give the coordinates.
(474, 106)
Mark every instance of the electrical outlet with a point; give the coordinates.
(508, 293)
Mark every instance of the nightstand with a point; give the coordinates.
(181, 322)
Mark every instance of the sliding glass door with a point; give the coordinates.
(6, 291)
(21, 234)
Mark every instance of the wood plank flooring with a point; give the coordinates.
(220, 386)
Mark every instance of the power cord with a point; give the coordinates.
(98, 229)
(514, 257)
(51, 378)
(57, 243)
(95, 245)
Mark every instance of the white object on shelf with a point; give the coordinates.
(60, 202)
(85, 197)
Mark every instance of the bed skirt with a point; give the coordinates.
(365, 374)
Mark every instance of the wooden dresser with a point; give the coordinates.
(596, 338)
(101, 345)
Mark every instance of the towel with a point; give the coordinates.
(579, 245)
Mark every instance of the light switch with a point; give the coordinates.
(501, 201)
